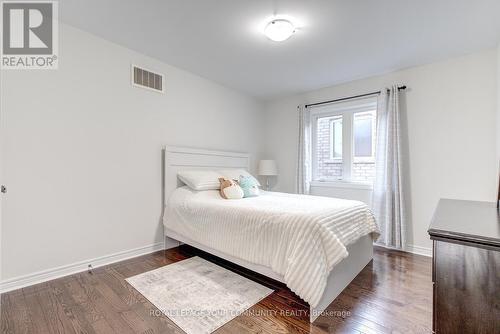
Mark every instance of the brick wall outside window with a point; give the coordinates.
(332, 169)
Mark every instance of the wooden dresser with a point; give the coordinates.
(466, 267)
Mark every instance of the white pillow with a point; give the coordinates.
(234, 174)
(200, 179)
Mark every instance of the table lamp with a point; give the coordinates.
(268, 168)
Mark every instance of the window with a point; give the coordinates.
(344, 141)
(336, 138)
(364, 133)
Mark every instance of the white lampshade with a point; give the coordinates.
(268, 167)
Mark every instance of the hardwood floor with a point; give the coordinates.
(393, 294)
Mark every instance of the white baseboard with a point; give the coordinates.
(50, 274)
(424, 251)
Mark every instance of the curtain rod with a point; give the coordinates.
(349, 97)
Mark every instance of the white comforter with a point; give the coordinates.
(299, 237)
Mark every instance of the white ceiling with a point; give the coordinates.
(339, 40)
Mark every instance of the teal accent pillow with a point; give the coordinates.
(249, 185)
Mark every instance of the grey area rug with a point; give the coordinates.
(197, 295)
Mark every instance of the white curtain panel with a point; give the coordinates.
(388, 193)
(304, 164)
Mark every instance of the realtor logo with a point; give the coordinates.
(29, 35)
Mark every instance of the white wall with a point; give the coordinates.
(81, 150)
(450, 112)
(498, 106)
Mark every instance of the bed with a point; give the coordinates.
(315, 245)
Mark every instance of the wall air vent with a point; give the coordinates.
(147, 79)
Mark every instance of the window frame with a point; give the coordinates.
(346, 110)
(332, 140)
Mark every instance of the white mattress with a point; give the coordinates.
(299, 237)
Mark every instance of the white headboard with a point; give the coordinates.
(178, 158)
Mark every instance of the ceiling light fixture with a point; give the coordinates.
(279, 30)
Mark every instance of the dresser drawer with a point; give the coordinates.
(466, 288)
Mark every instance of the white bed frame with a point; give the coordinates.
(178, 158)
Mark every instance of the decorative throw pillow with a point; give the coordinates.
(229, 189)
(234, 174)
(249, 185)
